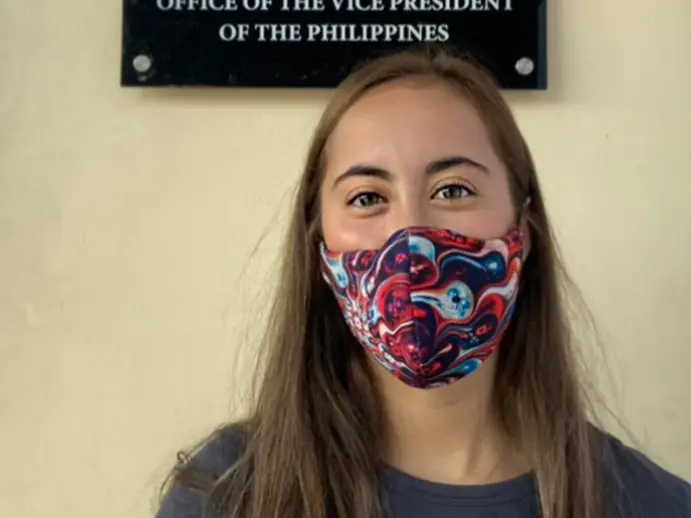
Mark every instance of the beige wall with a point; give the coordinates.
(127, 219)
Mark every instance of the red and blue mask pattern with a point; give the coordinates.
(431, 305)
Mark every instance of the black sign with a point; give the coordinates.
(315, 43)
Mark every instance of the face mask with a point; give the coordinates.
(431, 305)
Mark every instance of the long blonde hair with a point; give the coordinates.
(311, 435)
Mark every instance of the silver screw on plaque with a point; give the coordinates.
(141, 63)
(525, 66)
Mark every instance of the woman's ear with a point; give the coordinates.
(525, 228)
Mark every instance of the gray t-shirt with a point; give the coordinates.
(648, 491)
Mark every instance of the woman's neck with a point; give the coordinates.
(448, 435)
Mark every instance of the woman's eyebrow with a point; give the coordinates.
(432, 168)
(453, 161)
(363, 170)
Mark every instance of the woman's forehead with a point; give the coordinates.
(412, 121)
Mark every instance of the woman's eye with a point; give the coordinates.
(452, 192)
(366, 199)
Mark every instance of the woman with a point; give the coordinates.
(418, 359)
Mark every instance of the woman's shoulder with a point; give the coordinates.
(638, 487)
(643, 487)
(197, 473)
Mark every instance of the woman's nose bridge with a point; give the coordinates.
(407, 214)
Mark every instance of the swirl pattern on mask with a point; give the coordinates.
(431, 305)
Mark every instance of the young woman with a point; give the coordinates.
(418, 361)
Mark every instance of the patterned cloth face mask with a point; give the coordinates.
(431, 305)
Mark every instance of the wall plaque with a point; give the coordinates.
(315, 43)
